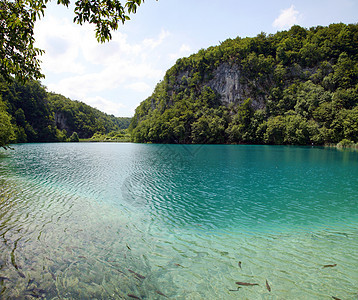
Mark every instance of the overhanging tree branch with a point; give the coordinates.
(19, 57)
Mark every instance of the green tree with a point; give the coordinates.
(275, 130)
(297, 130)
(240, 129)
(302, 82)
(345, 72)
(74, 137)
(6, 129)
(19, 57)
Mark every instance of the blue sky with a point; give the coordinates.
(116, 76)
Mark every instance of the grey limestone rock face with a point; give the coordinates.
(233, 87)
(60, 120)
(231, 84)
(226, 82)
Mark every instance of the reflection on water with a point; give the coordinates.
(119, 221)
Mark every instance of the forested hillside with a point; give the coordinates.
(28, 113)
(294, 87)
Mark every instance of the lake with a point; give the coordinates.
(119, 221)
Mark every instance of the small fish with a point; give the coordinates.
(178, 265)
(30, 282)
(4, 278)
(161, 294)
(268, 286)
(81, 256)
(21, 274)
(238, 288)
(33, 295)
(35, 292)
(329, 266)
(129, 248)
(246, 283)
(53, 276)
(49, 258)
(239, 264)
(335, 298)
(136, 274)
(133, 296)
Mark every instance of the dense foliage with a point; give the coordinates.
(75, 116)
(17, 51)
(300, 87)
(113, 136)
(29, 114)
(6, 130)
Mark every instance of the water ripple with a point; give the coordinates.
(107, 220)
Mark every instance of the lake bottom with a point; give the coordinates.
(87, 249)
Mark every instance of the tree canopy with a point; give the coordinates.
(28, 113)
(19, 57)
(298, 87)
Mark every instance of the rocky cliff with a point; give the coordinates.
(293, 87)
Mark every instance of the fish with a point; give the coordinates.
(81, 256)
(35, 292)
(246, 283)
(161, 294)
(21, 274)
(34, 295)
(239, 264)
(133, 296)
(136, 274)
(129, 248)
(53, 276)
(179, 265)
(30, 282)
(49, 259)
(329, 266)
(268, 286)
(4, 278)
(335, 298)
(238, 288)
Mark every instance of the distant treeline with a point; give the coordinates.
(28, 113)
(297, 87)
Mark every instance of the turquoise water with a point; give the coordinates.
(118, 221)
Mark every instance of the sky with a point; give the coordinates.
(116, 76)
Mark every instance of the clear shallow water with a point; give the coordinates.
(81, 221)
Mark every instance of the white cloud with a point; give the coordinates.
(91, 67)
(184, 50)
(61, 49)
(119, 74)
(141, 87)
(153, 43)
(109, 107)
(287, 18)
(125, 68)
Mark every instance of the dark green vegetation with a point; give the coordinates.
(29, 114)
(19, 57)
(114, 136)
(294, 87)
